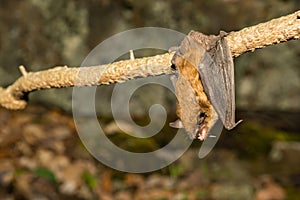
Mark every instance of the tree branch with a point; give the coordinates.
(248, 39)
(272, 32)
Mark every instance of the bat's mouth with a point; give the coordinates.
(202, 133)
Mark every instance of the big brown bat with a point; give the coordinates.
(204, 84)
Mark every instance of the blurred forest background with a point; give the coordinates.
(41, 156)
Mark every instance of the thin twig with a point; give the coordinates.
(23, 70)
(248, 39)
(132, 57)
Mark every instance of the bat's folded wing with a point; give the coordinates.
(217, 76)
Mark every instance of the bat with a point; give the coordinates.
(204, 85)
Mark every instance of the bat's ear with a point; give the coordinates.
(177, 61)
(177, 124)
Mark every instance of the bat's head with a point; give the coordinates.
(205, 121)
(198, 129)
(201, 128)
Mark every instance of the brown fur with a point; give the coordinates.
(190, 73)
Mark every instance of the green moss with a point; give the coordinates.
(176, 170)
(133, 144)
(45, 173)
(89, 179)
(292, 193)
(253, 139)
(202, 194)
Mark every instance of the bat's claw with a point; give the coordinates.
(232, 125)
(173, 49)
(176, 124)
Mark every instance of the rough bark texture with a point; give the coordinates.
(248, 39)
(272, 32)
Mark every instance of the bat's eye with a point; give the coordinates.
(201, 118)
(202, 114)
